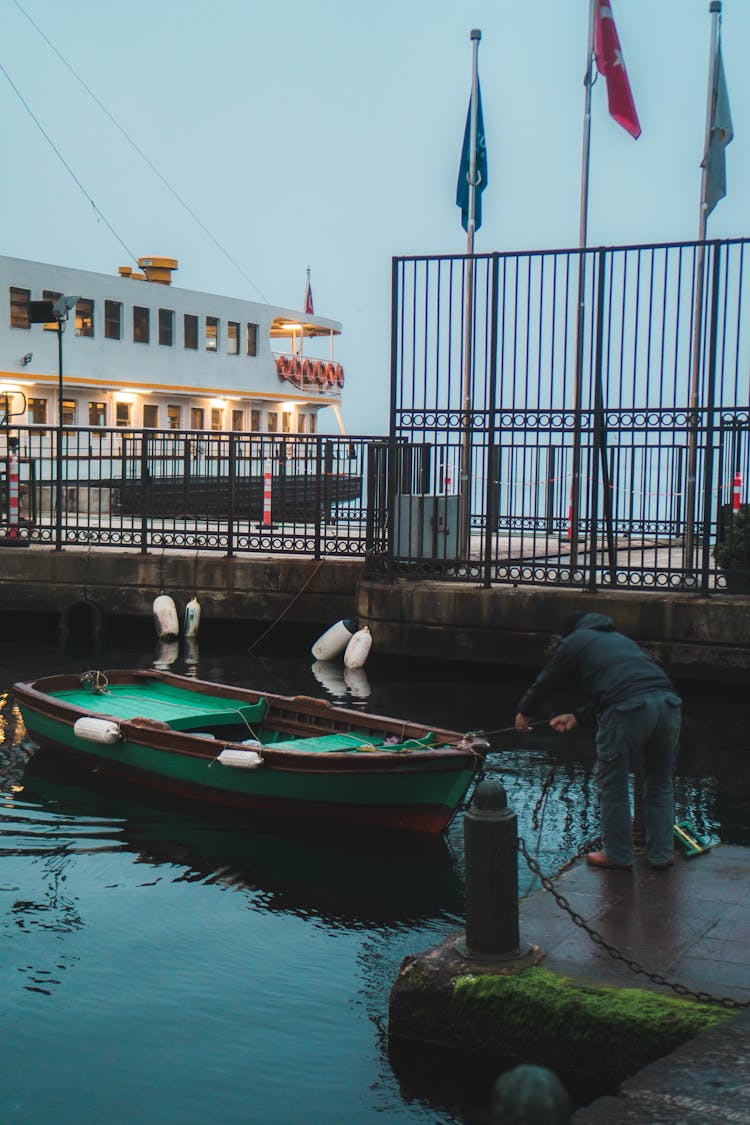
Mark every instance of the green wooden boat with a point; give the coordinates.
(236, 747)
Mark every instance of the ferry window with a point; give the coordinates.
(196, 417)
(174, 417)
(273, 421)
(112, 320)
(251, 338)
(255, 419)
(69, 406)
(85, 317)
(286, 421)
(97, 414)
(217, 417)
(166, 327)
(37, 411)
(238, 419)
(191, 331)
(19, 307)
(212, 333)
(313, 423)
(50, 295)
(301, 419)
(233, 338)
(122, 413)
(140, 325)
(150, 416)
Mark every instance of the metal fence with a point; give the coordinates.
(191, 490)
(568, 417)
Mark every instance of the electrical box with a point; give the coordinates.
(426, 527)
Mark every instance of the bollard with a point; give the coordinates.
(530, 1095)
(491, 874)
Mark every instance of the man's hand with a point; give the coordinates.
(522, 723)
(563, 723)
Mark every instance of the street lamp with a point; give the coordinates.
(44, 312)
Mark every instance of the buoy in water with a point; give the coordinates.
(334, 640)
(103, 731)
(166, 621)
(192, 618)
(358, 648)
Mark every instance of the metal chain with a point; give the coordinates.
(613, 951)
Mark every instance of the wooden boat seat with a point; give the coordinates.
(327, 743)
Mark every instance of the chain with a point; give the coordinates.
(613, 951)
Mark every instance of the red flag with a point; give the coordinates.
(610, 64)
(308, 297)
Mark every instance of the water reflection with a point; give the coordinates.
(167, 653)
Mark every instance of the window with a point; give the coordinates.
(112, 320)
(140, 325)
(191, 331)
(69, 407)
(166, 327)
(286, 421)
(301, 420)
(19, 307)
(97, 414)
(122, 413)
(50, 295)
(37, 411)
(255, 420)
(233, 338)
(212, 333)
(84, 317)
(196, 417)
(150, 416)
(273, 421)
(217, 418)
(251, 338)
(174, 417)
(238, 419)
(313, 423)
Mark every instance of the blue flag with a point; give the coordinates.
(462, 190)
(721, 133)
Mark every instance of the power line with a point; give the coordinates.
(140, 152)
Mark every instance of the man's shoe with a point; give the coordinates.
(601, 859)
(662, 866)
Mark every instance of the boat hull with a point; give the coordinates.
(417, 790)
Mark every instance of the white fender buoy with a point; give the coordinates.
(357, 682)
(358, 648)
(192, 618)
(242, 759)
(103, 731)
(330, 675)
(166, 621)
(334, 640)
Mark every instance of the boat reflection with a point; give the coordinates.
(167, 653)
(346, 878)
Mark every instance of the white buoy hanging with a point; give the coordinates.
(192, 620)
(358, 648)
(334, 640)
(166, 622)
(102, 731)
(240, 759)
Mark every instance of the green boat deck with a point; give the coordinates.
(179, 708)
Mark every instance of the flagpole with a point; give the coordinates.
(466, 403)
(575, 484)
(700, 268)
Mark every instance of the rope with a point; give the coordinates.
(283, 613)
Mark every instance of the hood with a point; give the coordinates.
(597, 621)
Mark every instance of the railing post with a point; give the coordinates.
(144, 491)
(231, 499)
(491, 874)
(708, 466)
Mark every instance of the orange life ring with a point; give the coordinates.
(307, 371)
(316, 371)
(328, 368)
(339, 375)
(295, 371)
(282, 366)
(331, 374)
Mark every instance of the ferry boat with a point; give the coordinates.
(141, 353)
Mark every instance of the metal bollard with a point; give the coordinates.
(491, 874)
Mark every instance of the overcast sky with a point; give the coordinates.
(328, 135)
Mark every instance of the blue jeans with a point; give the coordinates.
(647, 727)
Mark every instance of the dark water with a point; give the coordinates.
(163, 966)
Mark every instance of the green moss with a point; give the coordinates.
(538, 1015)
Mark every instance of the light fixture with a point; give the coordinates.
(293, 327)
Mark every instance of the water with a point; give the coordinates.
(164, 966)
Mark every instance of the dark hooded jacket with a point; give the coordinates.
(600, 663)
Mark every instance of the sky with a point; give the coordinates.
(328, 136)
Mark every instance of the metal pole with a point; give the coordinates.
(575, 483)
(59, 452)
(688, 553)
(466, 404)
